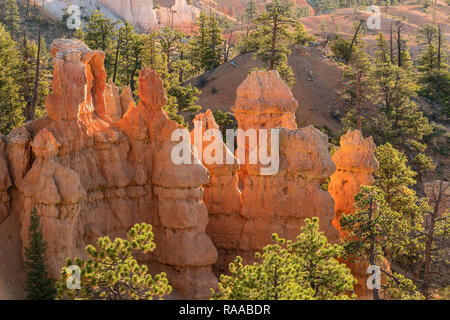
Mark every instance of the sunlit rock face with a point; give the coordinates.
(142, 14)
(180, 16)
(97, 166)
(139, 13)
(269, 203)
(355, 163)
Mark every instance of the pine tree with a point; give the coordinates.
(434, 77)
(303, 269)
(206, 45)
(300, 35)
(170, 41)
(10, 98)
(213, 55)
(358, 86)
(273, 33)
(427, 34)
(112, 273)
(248, 18)
(199, 41)
(128, 56)
(250, 12)
(398, 120)
(177, 68)
(436, 237)
(33, 77)
(39, 285)
(396, 179)
(10, 17)
(373, 232)
(100, 34)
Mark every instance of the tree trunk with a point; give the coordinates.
(274, 43)
(392, 44)
(399, 44)
(439, 47)
(26, 84)
(117, 57)
(28, 8)
(430, 236)
(349, 53)
(376, 295)
(358, 102)
(36, 80)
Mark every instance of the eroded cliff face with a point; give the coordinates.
(139, 13)
(180, 16)
(94, 168)
(277, 202)
(142, 14)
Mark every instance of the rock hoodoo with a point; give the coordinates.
(269, 203)
(355, 163)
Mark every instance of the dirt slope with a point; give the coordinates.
(412, 15)
(316, 90)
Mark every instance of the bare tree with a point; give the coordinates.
(433, 242)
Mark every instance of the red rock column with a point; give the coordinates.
(222, 195)
(280, 202)
(355, 162)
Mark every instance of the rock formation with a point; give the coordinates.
(355, 162)
(99, 163)
(181, 16)
(91, 172)
(139, 13)
(269, 203)
(143, 14)
(222, 195)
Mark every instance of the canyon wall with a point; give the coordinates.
(180, 16)
(141, 13)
